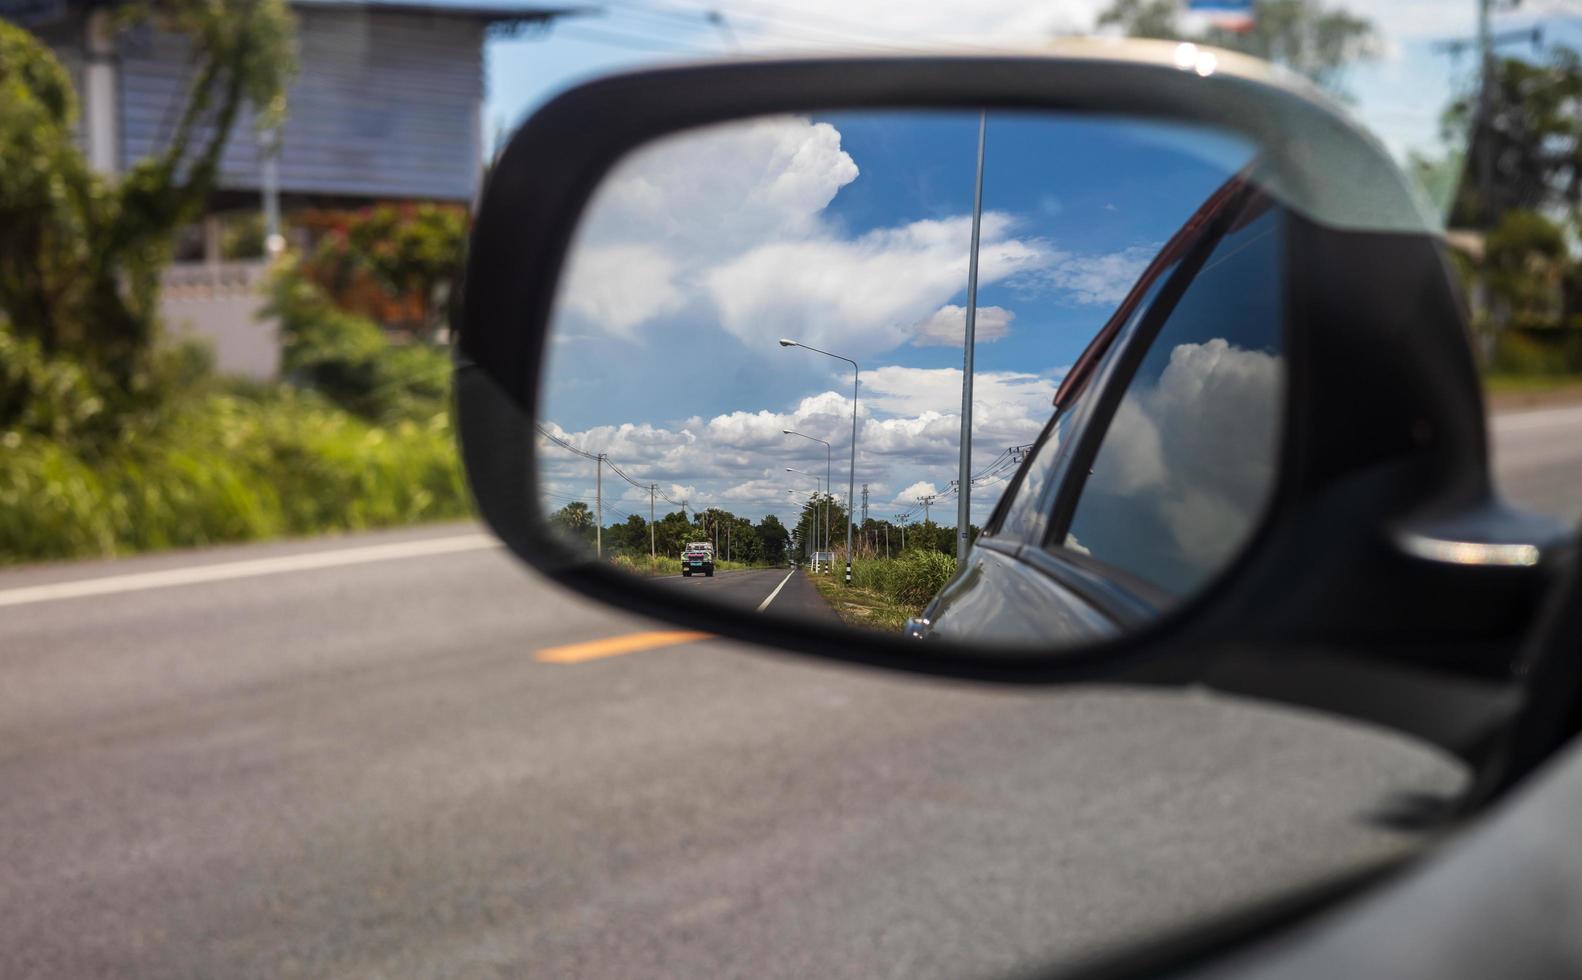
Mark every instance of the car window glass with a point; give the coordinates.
(1027, 517)
(1189, 457)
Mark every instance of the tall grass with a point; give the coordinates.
(225, 467)
(911, 580)
(663, 565)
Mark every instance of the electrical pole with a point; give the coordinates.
(964, 502)
(652, 551)
(598, 503)
(925, 501)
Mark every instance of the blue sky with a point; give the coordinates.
(1069, 222)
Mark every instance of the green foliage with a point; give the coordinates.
(1525, 262)
(1531, 137)
(349, 359)
(40, 396)
(225, 468)
(1306, 36)
(80, 256)
(911, 580)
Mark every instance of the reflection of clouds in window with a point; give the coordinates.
(1195, 450)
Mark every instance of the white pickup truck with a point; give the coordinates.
(698, 556)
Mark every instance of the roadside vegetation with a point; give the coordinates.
(886, 592)
(114, 439)
(661, 565)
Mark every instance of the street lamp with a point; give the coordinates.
(814, 535)
(851, 480)
(822, 489)
(828, 455)
(969, 341)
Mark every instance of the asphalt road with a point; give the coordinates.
(399, 754)
(781, 591)
(1537, 457)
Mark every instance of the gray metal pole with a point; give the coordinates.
(829, 454)
(652, 552)
(851, 477)
(964, 498)
(598, 503)
(851, 482)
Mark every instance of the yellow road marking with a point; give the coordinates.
(614, 646)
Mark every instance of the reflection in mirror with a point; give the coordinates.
(757, 353)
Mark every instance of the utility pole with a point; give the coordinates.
(865, 505)
(964, 502)
(598, 504)
(925, 501)
(652, 551)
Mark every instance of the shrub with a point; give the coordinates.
(348, 359)
(225, 468)
(912, 580)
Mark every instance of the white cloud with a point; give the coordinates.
(718, 189)
(1196, 448)
(1096, 279)
(727, 224)
(867, 292)
(947, 326)
(620, 286)
(909, 432)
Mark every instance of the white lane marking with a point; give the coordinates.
(765, 604)
(165, 578)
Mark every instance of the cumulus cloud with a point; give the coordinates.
(909, 432)
(1101, 279)
(727, 225)
(947, 326)
(866, 292)
(1195, 450)
(620, 286)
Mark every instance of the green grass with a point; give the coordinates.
(886, 592)
(662, 565)
(861, 607)
(225, 467)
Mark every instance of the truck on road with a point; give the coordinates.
(698, 556)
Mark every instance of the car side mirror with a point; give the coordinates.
(691, 290)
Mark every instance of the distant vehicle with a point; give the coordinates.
(698, 556)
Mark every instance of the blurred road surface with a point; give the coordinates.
(399, 754)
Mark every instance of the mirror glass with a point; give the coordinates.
(758, 362)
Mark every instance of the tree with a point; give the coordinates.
(576, 520)
(774, 539)
(1303, 35)
(1530, 138)
(1525, 261)
(672, 532)
(630, 537)
(80, 255)
(394, 263)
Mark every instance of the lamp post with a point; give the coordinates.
(814, 529)
(851, 481)
(822, 490)
(828, 456)
(964, 499)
